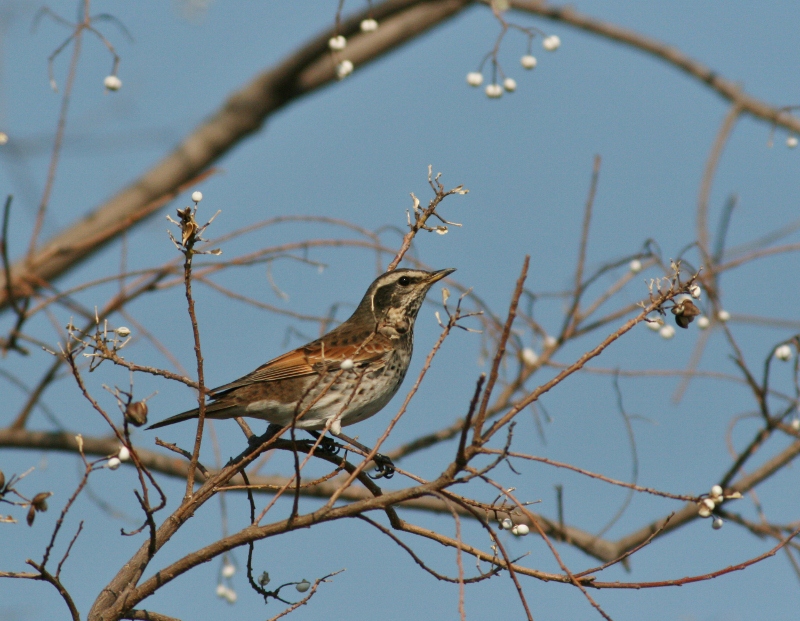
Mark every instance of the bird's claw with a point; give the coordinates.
(328, 446)
(384, 468)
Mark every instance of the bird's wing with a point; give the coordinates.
(312, 358)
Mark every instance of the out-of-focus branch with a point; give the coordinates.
(243, 114)
(725, 88)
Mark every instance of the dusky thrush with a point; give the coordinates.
(342, 378)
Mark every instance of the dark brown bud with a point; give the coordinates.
(188, 225)
(39, 501)
(685, 311)
(31, 516)
(136, 413)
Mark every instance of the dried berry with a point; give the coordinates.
(685, 311)
(136, 413)
(39, 501)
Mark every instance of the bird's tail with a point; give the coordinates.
(178, 418)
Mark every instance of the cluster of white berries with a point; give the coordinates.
(520, 530)
(783, 352)
(368, 25)
(715, 498)
(338, 43)
(223, 590)
(227, 593)
(344, 69)
(704, 322)
(124, 454)
(509, 85)
(112, 83)
(551, 43)
(665, 331)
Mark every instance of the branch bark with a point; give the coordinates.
(242, 115)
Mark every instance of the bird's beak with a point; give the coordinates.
(437, 276)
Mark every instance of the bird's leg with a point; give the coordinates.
(255, 441)
(383, 465)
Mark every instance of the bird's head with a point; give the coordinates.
(400, 292)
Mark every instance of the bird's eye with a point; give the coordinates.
(404, 281)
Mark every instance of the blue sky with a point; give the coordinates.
(354, 150)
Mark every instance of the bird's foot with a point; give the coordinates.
(328, 446)
(384, 468)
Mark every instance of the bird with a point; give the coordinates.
(343, 377)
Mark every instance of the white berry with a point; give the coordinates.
(696, 291)
(655, 324)
(716, 491)
(529, 357)
(344, 69)
(3, 138)
(551, 43)
(709, 502)
(368, 25)
(494, 91)
(783, 352)
(635, 266)
(667, 332)
(550, 341)
(510, 84)
(791, 142)
(717, 523)
(507, 524)
(112, 83)
(704, 511)
(474, 78)
(197, 197)
(221, 590)
(123, 331)
(703, 322)
(228, 570)
(528, 61)
(303, 586)
(124, 453)
(230, 596)
(347, 364)
(795, 424)
(113, 463)
(723, 315)
(520, 530)
(337, 43)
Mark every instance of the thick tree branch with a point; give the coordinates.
(724, 88)
(242, 115)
